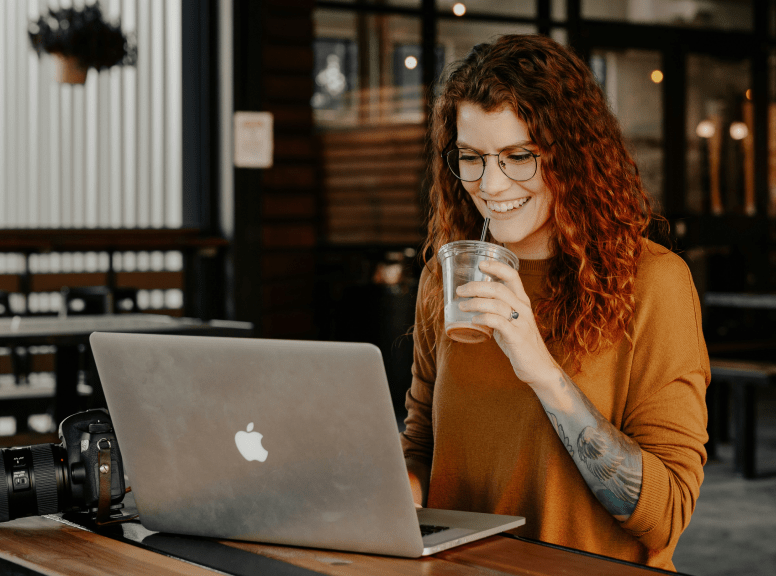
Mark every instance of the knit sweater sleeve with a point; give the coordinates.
(666, 410)
(418, 439)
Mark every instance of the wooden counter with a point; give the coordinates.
(41, 545)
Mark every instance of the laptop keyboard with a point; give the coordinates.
(426, 529)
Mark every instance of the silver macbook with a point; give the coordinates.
(275, 441)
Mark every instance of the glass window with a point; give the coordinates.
(370, 113)
(368, 68)
(457, 37)
(631, 80)
(559, 10)
(335, 72)
(526, 8)
(720, 154)
(722, 14)
(414, 4)
(560, 35)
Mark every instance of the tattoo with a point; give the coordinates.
(561, 434)
(611, 461)
(612, 458)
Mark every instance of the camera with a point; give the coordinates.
(66, 477)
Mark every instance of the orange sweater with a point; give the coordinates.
(492, 448)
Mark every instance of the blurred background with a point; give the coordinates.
(142, 188)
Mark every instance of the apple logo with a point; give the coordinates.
(249, 445)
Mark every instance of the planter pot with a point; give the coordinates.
(69, 69)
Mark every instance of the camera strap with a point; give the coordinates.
(103, 500)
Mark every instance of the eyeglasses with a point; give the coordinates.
(516, 163)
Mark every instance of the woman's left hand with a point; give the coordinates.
(519, 338)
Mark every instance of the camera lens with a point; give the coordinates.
(33, 481)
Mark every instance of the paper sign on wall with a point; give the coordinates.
(253, 143)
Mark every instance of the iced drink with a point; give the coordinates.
(460, 264)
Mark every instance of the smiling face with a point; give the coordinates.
(519, 212)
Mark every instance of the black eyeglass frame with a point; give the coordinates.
(446, 151)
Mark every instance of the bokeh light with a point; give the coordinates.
(410, 62)
(656, 76)
(738, 131)
(705, 129)
(459, 9)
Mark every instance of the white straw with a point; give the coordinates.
(484, 229)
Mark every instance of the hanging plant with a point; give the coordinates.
(79, 39)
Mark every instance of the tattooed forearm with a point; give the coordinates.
(610, 461)
(561, 433)
(615, 462)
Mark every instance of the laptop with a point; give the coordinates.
(274, 441)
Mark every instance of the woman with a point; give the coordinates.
(585, 412)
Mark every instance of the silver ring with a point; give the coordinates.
(514, 314)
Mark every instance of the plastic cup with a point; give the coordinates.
(460, 263)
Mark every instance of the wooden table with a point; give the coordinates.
(745, 378)
(42, 545)
(70, 332)
(740, 300)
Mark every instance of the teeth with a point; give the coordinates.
(506, 206)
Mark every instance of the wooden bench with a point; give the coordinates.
(743, 377)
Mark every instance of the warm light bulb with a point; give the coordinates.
(738, 131)
(656, 76)
(705, 129)
(410, 62)
(459, 9)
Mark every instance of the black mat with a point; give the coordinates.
(200, 551)
(8, 568)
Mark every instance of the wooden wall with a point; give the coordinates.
(372, 179)
(277, 209)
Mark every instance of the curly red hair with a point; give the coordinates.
(600, 212)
